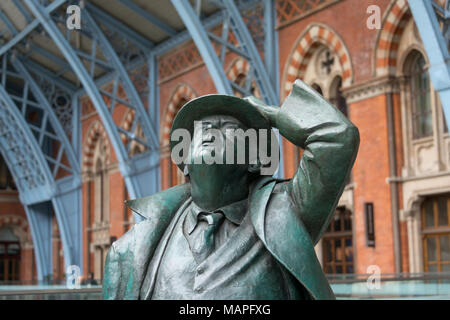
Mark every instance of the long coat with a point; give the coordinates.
(290, 231)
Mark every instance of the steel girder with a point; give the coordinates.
(201, 40)
(36, 101)
(148, 16)
(32, 176)
(245, 47)
(30, 27)
(40, 219)
(436, 45)
(41, 96)
(157, 50)
(139, 171)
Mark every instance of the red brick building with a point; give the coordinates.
(394, 212)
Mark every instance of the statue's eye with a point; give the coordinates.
(230, 126)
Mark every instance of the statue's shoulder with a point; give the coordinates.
(264, 183)
(160, 203)
(121, 246)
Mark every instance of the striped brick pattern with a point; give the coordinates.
(127, 124)
(314, 36)
(394, 23)
(182, 92)
(95, 133)
(238, 67)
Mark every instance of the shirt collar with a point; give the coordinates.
(234, 212)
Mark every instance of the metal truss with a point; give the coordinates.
(32, 25)
(40, 114)
(235, 36)
(433, 23)
(109, 52)
(44, 107)
(31, 174)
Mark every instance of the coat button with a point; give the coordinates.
(200, 270)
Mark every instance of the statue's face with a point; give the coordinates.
(210, 140)
(206, 141)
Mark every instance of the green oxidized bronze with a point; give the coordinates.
(231, 233)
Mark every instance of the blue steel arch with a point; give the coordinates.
(63, 194)
(142, 168)
(33, 178)
(137, 171)
(246, 49)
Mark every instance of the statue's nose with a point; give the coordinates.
(207, 137)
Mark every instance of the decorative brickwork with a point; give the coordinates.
(238, 67)
(95, 132)
(182, 93)
(288, 10)
(179, 61)
(396, 17)
(310, 39)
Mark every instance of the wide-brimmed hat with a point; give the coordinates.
(219, 104)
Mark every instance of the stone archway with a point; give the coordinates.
(314, 36)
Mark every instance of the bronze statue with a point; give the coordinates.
(230, 232)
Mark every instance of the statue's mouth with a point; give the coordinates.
(207, 141)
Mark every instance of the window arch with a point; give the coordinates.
(336, 96)
(316, 87)
(241, 79)
(418, 78)
(171, 174)
(176, 177)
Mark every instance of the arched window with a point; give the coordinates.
(337, 244)
(101, 195)
(9, 255)
(336, 97)
(176, 177)
(316, 87)
(420, 93)
(241, 82)
(436, 233)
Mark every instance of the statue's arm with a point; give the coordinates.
(330, 142)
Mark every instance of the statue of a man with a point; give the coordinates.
(232, 233)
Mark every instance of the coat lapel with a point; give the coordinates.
(158, 210)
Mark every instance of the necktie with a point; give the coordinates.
(203, 242)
